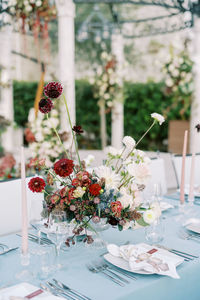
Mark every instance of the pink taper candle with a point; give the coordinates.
(24, 205)
(191, 192)
(182, 192)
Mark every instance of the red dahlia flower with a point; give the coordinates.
(45, 105)
(64, 167)
(95, 189)
(36, 184)
(53, 90)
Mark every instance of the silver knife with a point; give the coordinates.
(69, 289)
(174, 250)
(9, 250)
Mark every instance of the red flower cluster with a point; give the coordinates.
(82, 179)
(95, 189)
(36, 184)
(29, 136)
(45, 105)
(78, 129)
(53, 90)
(64, 167)
(116, 208)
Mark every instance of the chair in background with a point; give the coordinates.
(10, 205)
(158, 177)
(177, 163)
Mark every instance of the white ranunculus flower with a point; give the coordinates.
(38, 3)
(141, 172)
(46, 130)
(39, 136)
(79, 192)
(112, 180)
(149, 216)
(175, 73)
(169, 82)
(125, 199)
(110, 104)
(129, 142)
(106, 96)
(158, 118)
(28, 8)
(104, 55)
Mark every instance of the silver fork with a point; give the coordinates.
(188, 236)
(61, 292)
(96, 270)
(50, 290)
(119, 271)
(105, 267)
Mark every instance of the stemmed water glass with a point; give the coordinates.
(58, 231)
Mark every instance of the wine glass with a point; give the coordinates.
(58, 230)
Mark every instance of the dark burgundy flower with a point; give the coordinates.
(36, 184)
(78, 129)
(64, 167)
(53, 90)
(112, 221)
(197, 127)
(95, 189)
(45, 105)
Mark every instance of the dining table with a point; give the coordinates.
(76, 275)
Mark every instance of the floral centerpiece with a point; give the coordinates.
(111, 191)
(179, 82)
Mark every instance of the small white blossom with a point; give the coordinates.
(112, 180)
(129, 142)
(158, 118)
(149, 216)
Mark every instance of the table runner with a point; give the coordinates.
(98, 287)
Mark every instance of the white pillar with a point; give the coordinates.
(118, 108)
(66, 14)
(6, 91)
(195, 110)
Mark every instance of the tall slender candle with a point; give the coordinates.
(182, 192)
(192, 170)
(24, 205)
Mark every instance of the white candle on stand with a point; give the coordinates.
(192, 171)
(24, 205)
(182, 188)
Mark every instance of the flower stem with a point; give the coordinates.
(73, 135)
(56, 132)
(154, 122)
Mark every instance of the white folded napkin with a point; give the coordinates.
(19, 291)
(143, 257)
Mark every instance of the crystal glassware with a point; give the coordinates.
(58, 231)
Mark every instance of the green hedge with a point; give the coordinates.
(140, 101)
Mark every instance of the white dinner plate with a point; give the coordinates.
(193, 224)
(123, 264)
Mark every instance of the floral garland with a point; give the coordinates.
(179, 81)
(106, 83)
(42, 139)
(30, 12)
(111, 191)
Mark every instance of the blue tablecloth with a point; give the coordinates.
(97, 287)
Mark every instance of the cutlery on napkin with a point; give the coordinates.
(139, 259)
